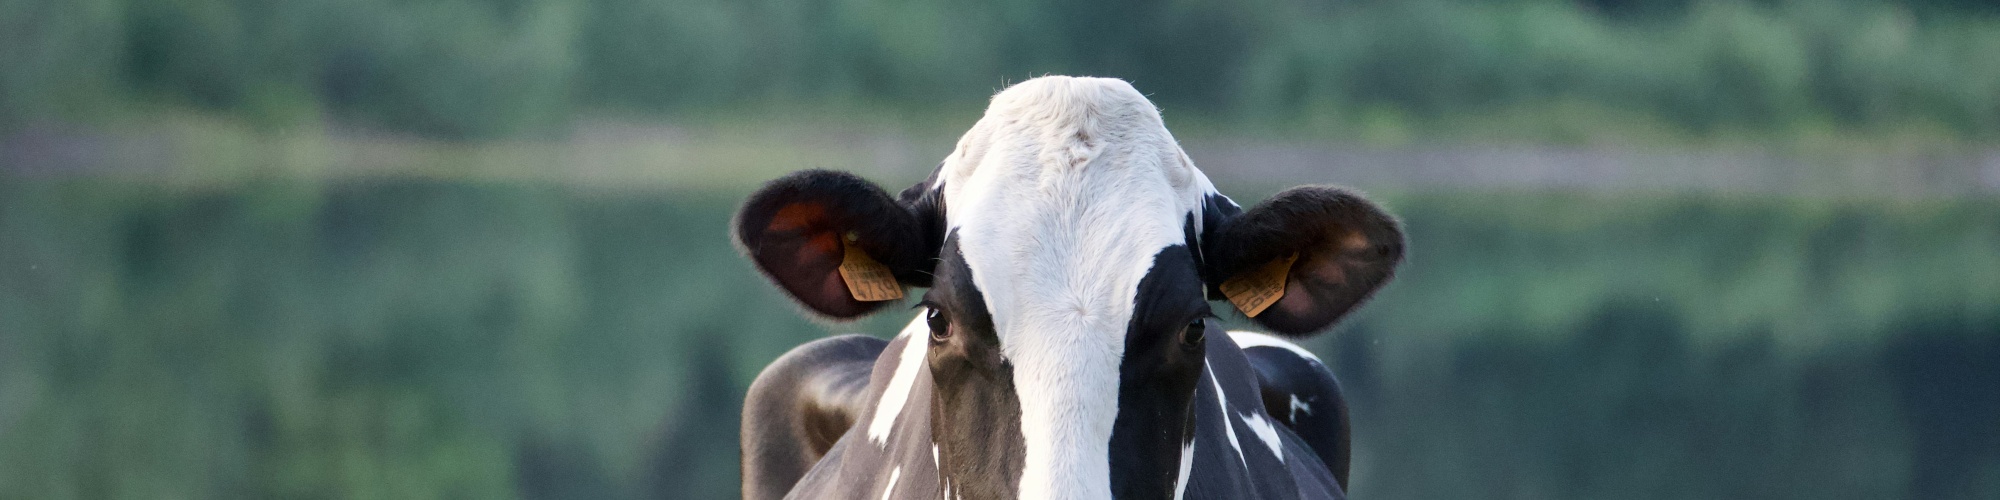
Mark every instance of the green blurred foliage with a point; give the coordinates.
(440, 339)
(500, 68)
(211, 322)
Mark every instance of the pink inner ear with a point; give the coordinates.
(1319, 268)
(833, 288)
(809, 220)
(826, 246)
(813, 252)
(1313, 270)
(796, 216)
(818, 252)
(825, 253)
(1296, 302)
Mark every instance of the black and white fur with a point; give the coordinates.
(1069, 247)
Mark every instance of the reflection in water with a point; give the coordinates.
(489, 340)
(1626, 407)
(1947, 376)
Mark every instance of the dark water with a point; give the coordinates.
(469, 340)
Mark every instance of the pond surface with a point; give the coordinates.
(496, 339)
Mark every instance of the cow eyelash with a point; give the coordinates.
(1205, 316)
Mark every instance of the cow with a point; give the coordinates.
(1066, 345)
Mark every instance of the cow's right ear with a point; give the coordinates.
(834, 241)
(1302, 259)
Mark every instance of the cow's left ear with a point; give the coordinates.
(834, 241)
(1302, 259)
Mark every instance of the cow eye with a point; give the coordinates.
(1193, 336)
(940, 326)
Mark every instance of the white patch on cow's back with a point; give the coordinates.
(1296, 406)
(1060, 197)
(897, 394)
(1265, 432)
(1262, 427)
(1228, 429)
(1253, 339)
(894, 474)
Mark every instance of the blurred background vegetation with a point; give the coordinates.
(476, 249)
(504, 68)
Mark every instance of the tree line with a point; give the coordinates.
(472, 69)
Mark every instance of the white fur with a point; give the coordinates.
(897, 394)
(1187, 469)
(1296, 406)
(1257, 423)
(1228, 429)
(1253, 339)
(1265, 432)
(891, 489)
(1061, 195)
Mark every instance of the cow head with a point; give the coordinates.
(1069, 247)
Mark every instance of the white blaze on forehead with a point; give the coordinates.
(897, 394)
(1061, 196)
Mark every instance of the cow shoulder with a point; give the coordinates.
(887, 447)
(1243, 449)
(800, 406)
(1301, 392)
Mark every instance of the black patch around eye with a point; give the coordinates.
(1157, 377)
(975, 411)
(1169, 296)
(1194, 334)
(955, 296)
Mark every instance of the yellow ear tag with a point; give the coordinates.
(868, 280)
(1256, 290)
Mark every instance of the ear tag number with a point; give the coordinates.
(868, 280)
(1256, 290)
